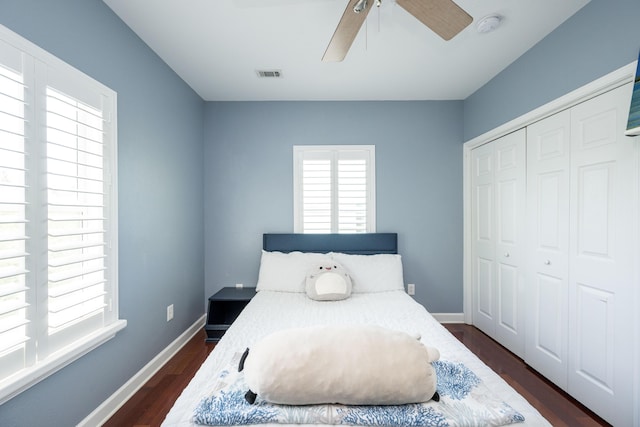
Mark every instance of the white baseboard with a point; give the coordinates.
(449, 317)
(109, 407)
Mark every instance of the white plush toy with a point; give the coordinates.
(328, 281)
(350, 365)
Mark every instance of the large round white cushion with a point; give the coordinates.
(351, 365)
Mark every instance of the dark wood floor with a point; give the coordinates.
(556, 406)
(150, 405)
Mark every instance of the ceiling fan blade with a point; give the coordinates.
(444, 17)
(346, 32)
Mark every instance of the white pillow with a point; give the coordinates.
(285, 272)
(372, 273)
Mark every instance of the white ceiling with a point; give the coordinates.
(216, 46)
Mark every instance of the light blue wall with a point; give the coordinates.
(160, 131)
(249, 184)
(600, 38)
(246, 177)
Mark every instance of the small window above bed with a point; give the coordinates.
(334, 188)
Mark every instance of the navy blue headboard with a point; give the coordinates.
(364, 244)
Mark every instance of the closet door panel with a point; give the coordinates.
(548, 163)
(498, 204)
(601, 262)
(482, 230)
(595, 211)
(594, 360)
(549, 307)
(550, 212)
(485, 291)
(508, 317)
(510, 175)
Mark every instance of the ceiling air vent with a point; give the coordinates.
(270, 73)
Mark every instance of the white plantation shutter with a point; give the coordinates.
(352, 194)
(76, 235)
(316, 195)
(58, 214)
(334, 189)
(14, 283)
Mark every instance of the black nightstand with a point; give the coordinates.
(224, 307)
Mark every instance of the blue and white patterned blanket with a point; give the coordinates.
(464, 401)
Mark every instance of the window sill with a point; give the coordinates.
(18, 383)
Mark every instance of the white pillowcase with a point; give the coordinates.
(372, 273)
(286, 272)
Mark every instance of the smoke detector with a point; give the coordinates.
(489, 23)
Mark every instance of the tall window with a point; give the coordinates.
(58, 231)
(334, 189)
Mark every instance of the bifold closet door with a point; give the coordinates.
(581, 202)
(547, 270)
(601, 261)
(498, 182)
(484, 243)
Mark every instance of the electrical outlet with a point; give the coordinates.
(411, 289)
(169, 312)
(239, 286)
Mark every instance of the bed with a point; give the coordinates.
(279, 306)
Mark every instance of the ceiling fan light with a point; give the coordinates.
(360, 6)
(488, 23)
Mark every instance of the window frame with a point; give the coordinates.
(334, 153)
(40, 69)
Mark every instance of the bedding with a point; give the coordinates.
(464, 401)
(286, 272)
(271, 311)
(372, 273)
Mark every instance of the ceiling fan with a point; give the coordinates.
(443, 17)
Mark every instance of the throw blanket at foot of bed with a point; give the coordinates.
(464, 401)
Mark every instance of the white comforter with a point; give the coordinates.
(271, 311)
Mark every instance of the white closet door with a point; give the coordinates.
(483, 240)
(498, 187)
(548, 165)
(601, 256)
(509, 187)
